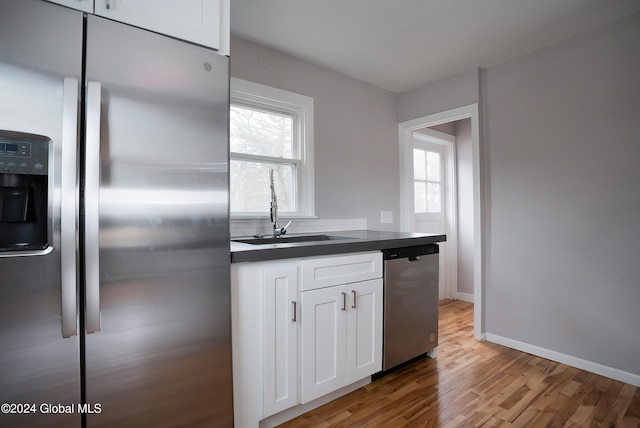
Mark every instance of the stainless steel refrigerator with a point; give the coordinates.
(114, 241)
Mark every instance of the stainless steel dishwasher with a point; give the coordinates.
(410, 303)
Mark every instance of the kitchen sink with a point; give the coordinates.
(289, 239)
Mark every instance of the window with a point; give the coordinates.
(427, 181)
(270, 129)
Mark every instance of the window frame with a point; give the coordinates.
(440, 181)
(300, 107)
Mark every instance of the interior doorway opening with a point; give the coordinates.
(435, 199)
(464, 229)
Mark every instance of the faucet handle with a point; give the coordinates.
(281, 231)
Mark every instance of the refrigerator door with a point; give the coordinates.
(40, 69)
(158, 345)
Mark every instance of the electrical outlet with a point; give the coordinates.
(386, 216)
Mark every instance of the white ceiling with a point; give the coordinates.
(400, 45)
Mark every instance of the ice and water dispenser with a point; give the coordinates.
(24, 189)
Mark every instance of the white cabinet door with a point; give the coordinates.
(83, 5)
(323, 337)
(204, 22)
(364, 330)
(280, 337)
(247, 317)
(265, 340)
(341, 335)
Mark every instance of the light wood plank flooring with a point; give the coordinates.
(472, 384)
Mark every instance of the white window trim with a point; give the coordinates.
(443, 151)
(255, 94)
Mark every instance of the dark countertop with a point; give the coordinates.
(358, 240)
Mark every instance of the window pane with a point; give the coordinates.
(433, 198)
(433, 166)
(250, 190)
(262, 133)
(420, 196)
(419, 171)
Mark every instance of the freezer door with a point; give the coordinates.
(158, 345)
(40, 70)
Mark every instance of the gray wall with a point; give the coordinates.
(445, 94)
(562, 187)
(560, 148)
(356, 133)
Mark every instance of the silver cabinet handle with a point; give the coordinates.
(92, 207)
(355, 299)
(68, 207)
(108, 4)
(295, 318)
(344, 301)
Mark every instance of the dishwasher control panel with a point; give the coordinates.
(421, 250)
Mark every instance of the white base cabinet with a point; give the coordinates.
(301, 329)
(341, 336)
(265, 338)
(280, 330)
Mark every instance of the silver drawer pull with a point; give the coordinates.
(344, 301)
(295, 318)
(355, 299)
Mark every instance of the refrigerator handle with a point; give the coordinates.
(92, 207)
(68, 207)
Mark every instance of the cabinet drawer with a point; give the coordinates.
(327, 271)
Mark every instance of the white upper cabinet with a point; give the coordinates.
(83, 5)
(205, 22)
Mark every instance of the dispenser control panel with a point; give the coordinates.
(18, 156)
(18, 150)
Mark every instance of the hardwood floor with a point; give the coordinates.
(472, 384)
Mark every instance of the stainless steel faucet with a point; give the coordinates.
(277, 230)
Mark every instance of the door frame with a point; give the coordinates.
(447, 142)
(405, 138)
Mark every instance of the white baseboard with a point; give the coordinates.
(569, 360)
(465, 297)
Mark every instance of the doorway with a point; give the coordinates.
(407, 132)
(435, 199)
